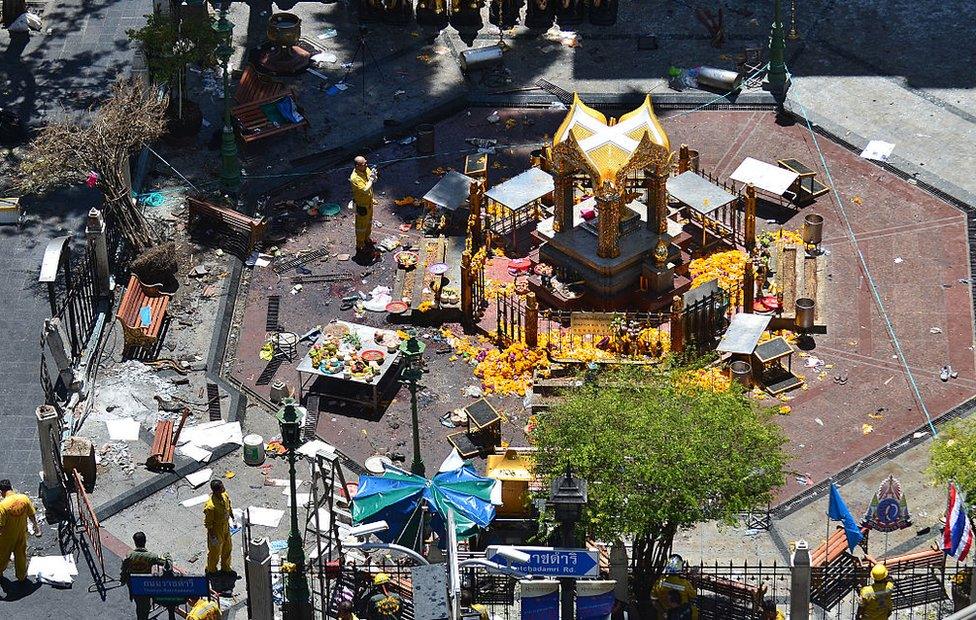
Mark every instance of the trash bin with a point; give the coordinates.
(741, 372)
(253, 449)
(813, 229)
(425, 139)
(804, 314)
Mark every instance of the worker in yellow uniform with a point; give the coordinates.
(770, 612)
(15, 509)
(361, 180)
(876, 603)
(216, 514)
(202, 609)
(673, 594)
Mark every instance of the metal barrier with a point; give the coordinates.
(89, 525)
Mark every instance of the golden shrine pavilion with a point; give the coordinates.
(610, 226)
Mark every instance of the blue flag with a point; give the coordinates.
(837, 511)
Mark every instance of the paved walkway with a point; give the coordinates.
(46, 76)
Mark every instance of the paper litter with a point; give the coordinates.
(257, 259)
(196, 453)
(200, 477)
(325, 57)
(194, 501)
(878, 150)
(123, 429)
(268, 517)
(53, 569)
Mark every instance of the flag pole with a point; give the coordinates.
(830, 488)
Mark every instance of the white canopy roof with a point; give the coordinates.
(768, 177)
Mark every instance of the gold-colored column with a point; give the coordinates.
(749, 228)
(684, 159)
(661, 197)
(563, 208)
(531, 321)
(677, 325)
(467, 284)
(608, 227)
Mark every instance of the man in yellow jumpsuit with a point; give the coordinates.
(216, 513)
(15, 510)
(876, 603)
(202, 609)
(673, 594)
(361, 180)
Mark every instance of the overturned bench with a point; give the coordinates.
(919, 577)
(242, 232)
(164, 444)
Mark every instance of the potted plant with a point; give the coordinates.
(172, 44)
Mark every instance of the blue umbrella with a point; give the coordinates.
(396, 496)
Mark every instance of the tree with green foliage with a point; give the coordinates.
(172, 44)
(661, 452)
(953, 456)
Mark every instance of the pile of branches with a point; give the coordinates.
(96, 151)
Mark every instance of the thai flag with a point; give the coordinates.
(957, 537)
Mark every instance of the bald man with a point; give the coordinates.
(361, 180)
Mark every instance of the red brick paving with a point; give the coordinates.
(895, 219)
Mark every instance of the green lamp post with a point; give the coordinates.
(230, 167)
(298, 605)
(412, 350)
(777, 77)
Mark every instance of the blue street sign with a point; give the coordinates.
(170, 587)
(550, 562)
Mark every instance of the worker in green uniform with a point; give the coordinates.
(139, 562)
(876, 602)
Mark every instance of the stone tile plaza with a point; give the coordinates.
(500, 309)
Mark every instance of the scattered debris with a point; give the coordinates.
(878, 150)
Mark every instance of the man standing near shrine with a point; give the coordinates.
(216, 518)
(361, 180)
(15, 510)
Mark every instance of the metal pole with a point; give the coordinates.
(417, 467)
(567, 585)
(230, 169)
(297, 604)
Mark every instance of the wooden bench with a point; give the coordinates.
(731, 599)
(836, 572)
(919, 577)
(242, 228)
(253, 125)
(254, 86)
(136, 297)
(164, 443)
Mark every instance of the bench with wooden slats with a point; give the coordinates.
(727, 599)
(254, 86)
(919, 577)
(164, 444)
(253, 125)
(249, 230)
(136, 297)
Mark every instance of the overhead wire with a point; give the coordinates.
(866, 272)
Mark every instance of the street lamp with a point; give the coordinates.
(230, 168)
(777, 76)
(412, 350)
(298, 605)
(567, 496)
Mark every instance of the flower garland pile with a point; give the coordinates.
(726, 267)
(712, 379)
